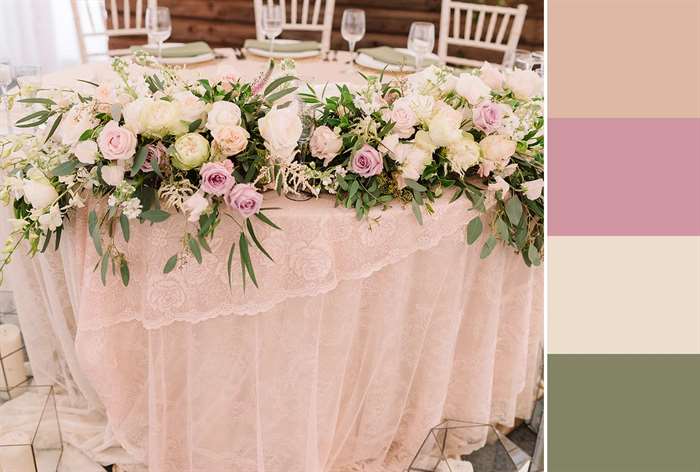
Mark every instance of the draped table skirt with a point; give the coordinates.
(360, 338)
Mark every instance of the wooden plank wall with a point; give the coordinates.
(230, 22)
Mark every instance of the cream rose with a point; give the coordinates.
(86, 151)
(190, 151)
(524, 84)
(231, 139)
(38, 190)
(325, 144)
(132, 114)
(113, 175)
(472, 88)
(492, 76)
(404, 117)
(223, 114)
(281, 130)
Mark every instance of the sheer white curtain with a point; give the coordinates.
(38, 32)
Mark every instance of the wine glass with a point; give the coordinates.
(272, 22)
(352, 29)
(523, 59)
(5, 81)
(308, 124)
(158, 26)
(421, 40)
(28, 79)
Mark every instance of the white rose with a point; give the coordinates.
(223, 114)
(281, 130)
(74, 123)
(325, 144)
(444, 126)
(113, 175)
(194, 206)
(161, 117)
(231, 139)
(472, 88)
(132, 115)
(492, 76)
(388, 145)
(86, 151)
(404, 117)
(524, 84)
(192, 108)
(463, 154)
(38, 191)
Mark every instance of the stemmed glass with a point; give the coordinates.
(272, 22)
(352, 29)
(523, 59)
(421, 40)
(158, 26)
(538, 62)
(28, 80)
(5, 81)
(308, 124)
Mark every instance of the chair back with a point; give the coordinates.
(103, 18)
(301, 15)
(475, 25)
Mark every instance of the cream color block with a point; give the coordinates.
(629, 294)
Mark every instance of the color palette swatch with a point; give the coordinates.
(623, 235)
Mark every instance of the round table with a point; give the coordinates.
(362, 335)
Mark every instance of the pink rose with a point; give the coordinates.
(244, 198)
(487, 116)
(116, 143)
(217, 178)
(533, 188)
(155, 154)
(231, 139)
(367, 162)
(403, 117)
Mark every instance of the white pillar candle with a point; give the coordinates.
(18, 458)
(10, 341)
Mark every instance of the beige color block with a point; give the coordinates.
(624, 58)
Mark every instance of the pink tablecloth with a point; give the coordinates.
(359, 340)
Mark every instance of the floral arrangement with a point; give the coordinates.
(154, 143)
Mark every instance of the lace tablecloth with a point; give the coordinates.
(360, 338)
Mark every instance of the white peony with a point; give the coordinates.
(281, 130)
(388, 145)
(86, 151)
(38, 190)
(525, 84)
(194, 206)
(132, 115)
(113, 174)
(415, 159)
(463, 154)
(223, 114)
(444, 127)
(472, 88)
(161, 117)
(422, 105)
(192, 108)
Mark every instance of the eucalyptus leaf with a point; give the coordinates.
(104, 265)
(194, 247)
(64, 168)
(139, 160)
(474, 229)
(514, 209)
(488, 247)
(534, 255)
(502, 229)
(413, 185)
(170, 264)
(416, 211)
(124, 223)
(124, 272)
(155, 215)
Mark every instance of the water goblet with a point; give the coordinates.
(352, 29)
(421, 40)
(158, 26)
(272, 22)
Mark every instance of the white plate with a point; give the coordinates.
(276, 54)
(372, 63)
(184, 60)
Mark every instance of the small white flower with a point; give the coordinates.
(533, 188)
(131, 208)
(51, 220)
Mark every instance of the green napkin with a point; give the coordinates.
(301, 46)
(389, 55)
(186, 50)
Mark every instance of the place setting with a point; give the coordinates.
(305, 236)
